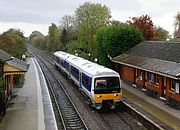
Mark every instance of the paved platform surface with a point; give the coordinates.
(30, 107)
(157, 108)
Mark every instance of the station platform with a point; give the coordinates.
(155, 107)
(31, 107)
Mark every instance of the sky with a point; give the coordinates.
(31, 15)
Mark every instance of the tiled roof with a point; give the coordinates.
(163, 50)
(21, 65)
(168, 68)
(4, 56)
(12, 61)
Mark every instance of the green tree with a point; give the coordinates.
(160, 34)
(39, 42)
(64, 39)
(13, 42)
(90, 17)
(114, 40)
(54, 38)
(37, 39)
(33, 35)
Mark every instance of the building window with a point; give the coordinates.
(157, 79)
(140, 74)
(177, 88)
(173, 84)
(164, 81)
(151, 77)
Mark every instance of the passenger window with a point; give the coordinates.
(86, 81)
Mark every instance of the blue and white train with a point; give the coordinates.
(100, 85)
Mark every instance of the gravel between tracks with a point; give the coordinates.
(96, 120)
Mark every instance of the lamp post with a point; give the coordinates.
(75, 52)
(109, 57)
(89, 54)
(95, 60)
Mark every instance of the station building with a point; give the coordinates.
(153, 67)
(9, 66)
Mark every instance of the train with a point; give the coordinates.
(100, 86)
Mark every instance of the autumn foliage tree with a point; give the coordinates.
(144, 24)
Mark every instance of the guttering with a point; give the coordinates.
(162, 74)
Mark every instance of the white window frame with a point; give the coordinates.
(151, 77)
(173, 80)
(140, 74)
(177, 88)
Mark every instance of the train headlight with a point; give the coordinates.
(99, 96)
(116, 95)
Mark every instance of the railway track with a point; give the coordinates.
(69, 115)
(113, 120)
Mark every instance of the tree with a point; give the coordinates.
(64, 39)
(114, 40)
(144, 24)
(68, 23)
(90, 17)
(160, 34)
(176, 23)
(13, 42)
(115, 22)
(37, 39)
(54, 38)
(35, 34)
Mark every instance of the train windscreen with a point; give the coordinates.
(106, 85)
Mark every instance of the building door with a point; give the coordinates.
(164, 87)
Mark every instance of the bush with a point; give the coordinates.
(114, 40)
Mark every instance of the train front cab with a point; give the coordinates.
(106, 92)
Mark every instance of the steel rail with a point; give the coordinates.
(69, 115)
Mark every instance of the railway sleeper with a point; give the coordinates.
(72, 118)
(75, 128)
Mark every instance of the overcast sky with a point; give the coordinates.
(30, 15)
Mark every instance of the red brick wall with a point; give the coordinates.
(128, 73)
(171, 93)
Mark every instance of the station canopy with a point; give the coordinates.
(12, 65)
(162, 67)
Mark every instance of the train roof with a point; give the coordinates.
(89, 67)
(61, 54)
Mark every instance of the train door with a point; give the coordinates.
(164, 87)
(80, 79)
